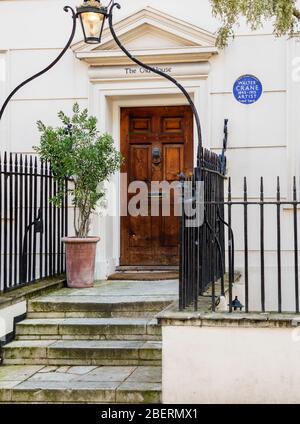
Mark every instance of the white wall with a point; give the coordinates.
(33, 34)
(203, 365)
(263, 137)
(7, 316)
(34, 43)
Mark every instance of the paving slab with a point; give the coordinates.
(81, 370)
(52, 376)
(18, 372)
(29, 343)
(117, 374)
(63, 369)
(48, 369)
(4, 385)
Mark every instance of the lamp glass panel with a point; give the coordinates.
(92, 23)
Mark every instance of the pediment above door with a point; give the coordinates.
(152, 36)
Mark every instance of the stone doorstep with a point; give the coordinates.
(144, 276)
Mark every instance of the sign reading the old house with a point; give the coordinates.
(140, 70)
(247, 89)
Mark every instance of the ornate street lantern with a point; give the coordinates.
(92, 17)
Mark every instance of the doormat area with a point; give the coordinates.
(145, 276)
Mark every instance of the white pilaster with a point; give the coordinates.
(293, 109)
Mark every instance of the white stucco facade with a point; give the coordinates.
(263, 137)
(230, 364)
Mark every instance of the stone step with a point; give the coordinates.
(80, 384)
(89, 328)
(144, 276)
(137, 268)
(97, 306)
(82, 352)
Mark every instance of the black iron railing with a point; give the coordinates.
(256, 235)
(268, 248)
(31, 227)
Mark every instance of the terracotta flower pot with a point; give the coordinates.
(80, 261)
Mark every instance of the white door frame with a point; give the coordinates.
(105, 102)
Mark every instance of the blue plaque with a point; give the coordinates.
(247, 89)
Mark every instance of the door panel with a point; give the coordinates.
(157, 144)
(171, 125)
(140, 163)
(140, 125)
(140, 231)
(173, 161)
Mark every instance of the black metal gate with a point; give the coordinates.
(202, 245)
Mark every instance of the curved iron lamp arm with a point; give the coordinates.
(157, 71)
(74, 17)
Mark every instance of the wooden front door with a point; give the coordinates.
(157, 144)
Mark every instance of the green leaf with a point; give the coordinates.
(282, 13)
(76, 108)
(41, 126)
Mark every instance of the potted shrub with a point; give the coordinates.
(77, 151)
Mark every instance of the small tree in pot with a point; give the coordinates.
(77, 151)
